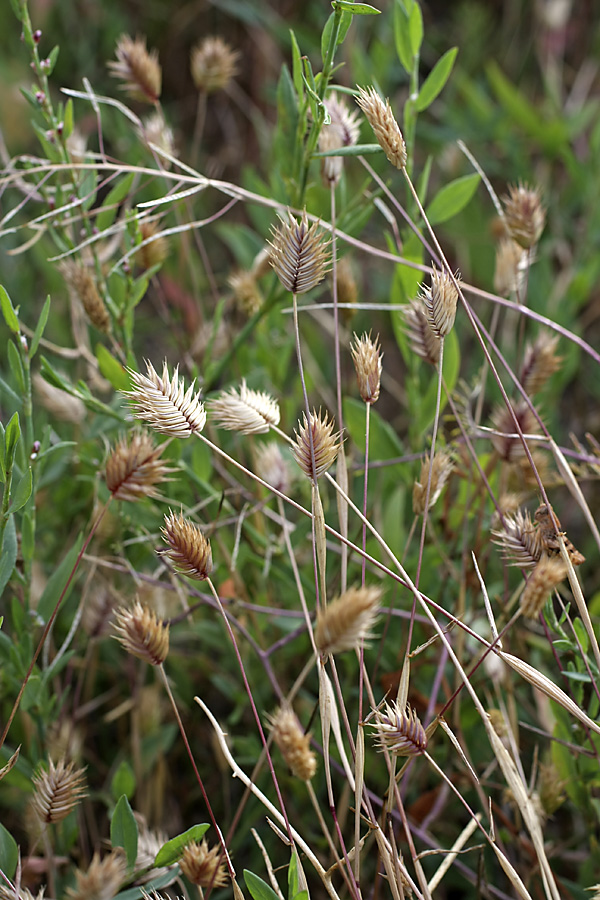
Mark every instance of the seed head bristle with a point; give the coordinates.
(525, 215)
(326, 444)
(348, 620)
(299, 254)
(57, 791)
(164, 404)
(134, 468)
(246, 410)
(138, 69)
(102, 879)
(188, 549)
(246, 292)
(507, 442)
(367, 358)
(203, 866)
(519, 540)
(440, 302)
(423, 340)
(154, 248)
(293, 743)
(82, 285)
(271, 466)
(142, 634)
(540, 363)
(385, 127)
(440, 473)
(511, 263)
(399, 731)
(546, 576)
(213, 64)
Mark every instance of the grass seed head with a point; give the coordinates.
(299, 254)
(138, 69)
(57, 791)
(102, 879)
(203, 866)
(164, 403)
(440, 302)
(154, 130)
(347, 289)
(246, 292)
(155, 247)
(348, 620)
(246, 410)
(399, 731)
(272, 467)
(507, 442)
(519, 539)
(142, 634)
(381, 119)
(423, 340)
(440, 473)
(134, 468)
(188, 549)
(81, 284)
(326, 444)
(367, 358)
(525, 215)
(511, 261)
(540, 363)
(213, 64)
(546, 576)
(293, 743)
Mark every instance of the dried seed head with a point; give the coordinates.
(507, 442)
(10, 893)
(57, 402)
(326, 444)
(247, 294)
(440, 302)
(511, 265)
(399, 732)
(423, 340)
(547, 574)
(551, 788)
(293, 743)
(347, 621)
(149, 843)
(384, 125)
(347, 290)
(272, 467)
(540, 363)
(138, 69)
(82, 285)
(57, 791)
(520, 540)
(440, 472)
(367, 356)
(76, 145)
(248, 411)
(154, 248)
(188, 549)
(103, 878)
(154, 130)
(331, 166)
(345, 120)
(134, 468)
(299, 254)
(525, 215)
(213, 64)
(164, 404)
(547, 525)
(202, 866)
(142, 634)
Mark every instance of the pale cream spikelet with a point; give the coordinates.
(423, 340)
(187, 548)
(399, 731)
(331, 166)
(385, 127)
(82, 285)
(545, 577)
(57, 791)
(299, 254)
(154, 248)
(245, 410)
(440, 473)
(134, 468)
(213, 64)
(345, 120)
(246, 292)
(525, 215)
(203, 866)
(348, 620)
(142, 634)
(293, 743)
(154, 130)
(326, 444)
(519, 540)
(8, 893)
(103, 878)
(163, 402)
(541, 361)
(138, 69)
(440, 301)
(511, 262)
(271, 466)
(367, 359)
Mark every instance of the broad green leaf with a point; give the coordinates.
(22, 492)
(170, 852)
(124, 830)
(357, 9)
(436, 80)
(9, 852)
(8, 311)
(110, 207)
(8, 554)
(58, 582)
(123, 781)
(39, 328)
(345, 22)
(452, 198)
(384, 443)
(582, 634)
(415, 29)
(112, 369)
(259, 889)
(11, 439)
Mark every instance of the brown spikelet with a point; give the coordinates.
(548, 527)
(347, 290)
(83, 285)
(57, 791)
(154, 248)
(203, 866)
(367, 356)
(293, 743)
(347, 621)
(245, 410)
(440, 302)
(326, 444)
(299, 254)
(423, 340)
(213, 64)
(247, 294)
(540, 363)
(440, 473)
(511, 262)
(399, 731)
(188, 549)
(519, 539)
(525, 215)
(102, 879)
(507, 441)
(387, 131)
(142, 634)
(547, 574)
(138, 69)
(163, 402)
(134, 468)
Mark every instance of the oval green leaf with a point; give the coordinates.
(8, 311)
(170, 852)
(258, 888)
(436, 80)
(124, 830)
(9, 852)
(452, 198)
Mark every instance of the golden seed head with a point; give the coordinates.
(82, 285)
(347, 289)
(103, 878)
(525, 215)
(138, 69)
(346, 622)
(154, 248)
(213, 64)
(547, 574)
(203, 866)
(399, 731)
(326, 444)
(440, 302)
(246, 410)
(511, 266)
(519, 539)
(164, 404)
(188, 549)
(540, 363)
(507, 442)
(57, 791)
(367, 357)
(423, 340)
(299, 254)
(293, 743)
(384, 125)
(551, 788)
(142, 633)
(246, 292)
(154, 130)
(134, 468)
(271, 466)
(440, 472)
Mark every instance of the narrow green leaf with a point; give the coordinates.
(452, 198)
(22, 492)
(258, 888)
(124, 830)
(402, 38)
(110, 207)
(436, 80)
(11, 439)
(356, 150)
(52, 57)
(112, 369)
(357, 9)
(8, 311)
(415, 29)
(8, 553)
(293, 883)
(28, 535)
(9, 852)
(297, 66)
(16, 366)
(39, 328)
(170, 852)
(57, 582)
(68, 119)
(326, 35)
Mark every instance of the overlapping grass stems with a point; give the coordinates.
(355, 743)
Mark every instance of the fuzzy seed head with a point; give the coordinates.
(138, 69)
(248, 411)
(347, 290)
(154, 248)
(272, 467)
(188, 549)
(423, 340)
(326, 444)
(546, 576)
(164, 403)
(520, 540)
(293, 743)
(525, 215)
(547, 525)
(367, 358)
(142, 634)
(247, 294)
(399, 731)
(384, 125)
(9, 893)
(154, 130)
(348, 620)
(82, 285)
(103, 878)
(57, 791)
(540, 363)
(511, 265)
(134, 468)
(213, 64)
(343, 119)
(203, 866)
(507, 442)
(440, 472)
(299, 254)
(440, 302)
(551, 788)
(331, 166)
